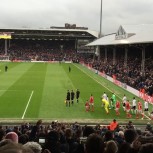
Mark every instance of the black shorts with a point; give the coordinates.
(146, 109)
(134, 107)
(123, 104)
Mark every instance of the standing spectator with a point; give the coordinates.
(130, 125)
(35, 130)
(113, 125)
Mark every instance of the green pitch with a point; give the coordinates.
(38, 90)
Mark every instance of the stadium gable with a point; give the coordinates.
(127, 34)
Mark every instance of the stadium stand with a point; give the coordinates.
(56, 137)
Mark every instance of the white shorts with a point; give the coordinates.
(139, 111)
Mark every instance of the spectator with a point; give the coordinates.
(34, 146)
(14, 148)
(2, 134)
(146, 148)
(52, 142)
(113, 125)
(12, 136)
(111, 147)
(94, 144)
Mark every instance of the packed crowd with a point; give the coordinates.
(40, 51)
(131, 75)
(76, 138)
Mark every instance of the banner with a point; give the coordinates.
(5, 35)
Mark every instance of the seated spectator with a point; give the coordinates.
(148, 127)
(14, 148)
(12, 136)
(130, 135)
(87, 131)
(108, 136)
(146, 148)
(52, 142)
(24, 138)
(120, 137)
(5, 142)
(130, 125)
(94, 144)
(111, 147)
(34, 146)
(2, 134)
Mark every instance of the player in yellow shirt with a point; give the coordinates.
(106, 105)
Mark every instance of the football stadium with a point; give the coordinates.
(68, 90)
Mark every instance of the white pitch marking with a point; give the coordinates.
(27, 104)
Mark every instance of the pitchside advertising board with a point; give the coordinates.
(5, 35)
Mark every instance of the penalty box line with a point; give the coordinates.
(104, 86)
(27, 104)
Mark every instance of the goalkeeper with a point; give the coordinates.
(106, 105)
(113, 98)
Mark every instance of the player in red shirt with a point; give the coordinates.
(139, 109)
(117, 108)
(91, 102)
(127, 109)
(87, 106)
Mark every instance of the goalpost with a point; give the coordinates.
(4, 58)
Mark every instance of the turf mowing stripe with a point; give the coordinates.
(103, 85)
(27, 104)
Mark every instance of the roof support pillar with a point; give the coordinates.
(143, 61)
(76, 44)
(5, 46)
(98, 52)
(114, 56)
(125, 57)
(105, 54)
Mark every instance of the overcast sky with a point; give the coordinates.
(86, 13)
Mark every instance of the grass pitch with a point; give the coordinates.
(38, 90)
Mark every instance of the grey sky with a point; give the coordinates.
(46, 13)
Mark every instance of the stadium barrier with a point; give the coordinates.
(121, 84)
